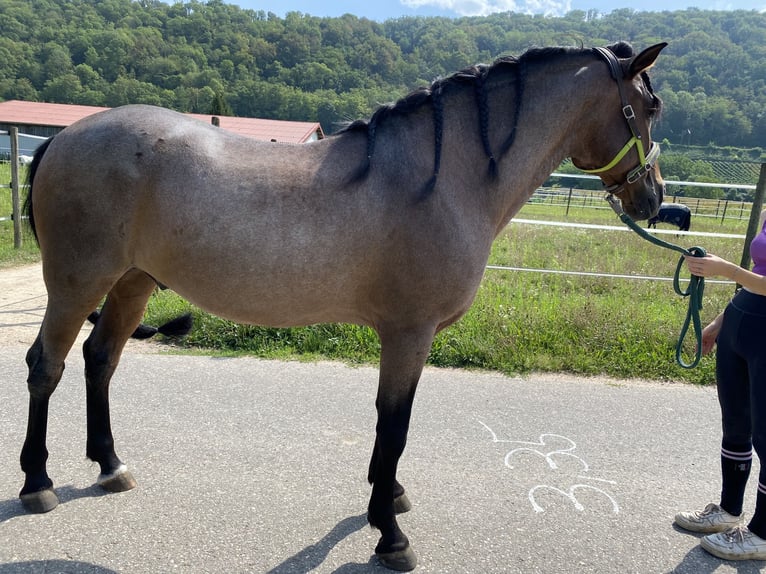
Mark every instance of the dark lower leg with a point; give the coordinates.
(100, 443)
(37, 494)
(401, 504)
(34, 454)
(393, 548)
(120, 315)
(736, 461)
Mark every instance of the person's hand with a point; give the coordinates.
(710, 265)
(709, 336)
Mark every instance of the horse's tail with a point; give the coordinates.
(178, 327)
(27, 210)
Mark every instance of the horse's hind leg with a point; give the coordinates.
(121, 314)
(45, 359)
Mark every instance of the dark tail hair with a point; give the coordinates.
(27, 210)
(178, 327)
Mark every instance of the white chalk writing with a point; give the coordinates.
(552, 447)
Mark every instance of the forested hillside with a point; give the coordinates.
(182, 55)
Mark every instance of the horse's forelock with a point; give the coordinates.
(622, 50)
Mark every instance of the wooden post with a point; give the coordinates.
(15, 200)
(755, 216)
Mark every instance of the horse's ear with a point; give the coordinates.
(645, 59)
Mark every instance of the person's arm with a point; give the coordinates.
(712, 266)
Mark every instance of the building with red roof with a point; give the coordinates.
(39, 121)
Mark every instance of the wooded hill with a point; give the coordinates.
(205, 56)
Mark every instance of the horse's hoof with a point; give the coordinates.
(40, 501)
(402, 504)
(399, 560)
(118, 481)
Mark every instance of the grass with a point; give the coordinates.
(520, 321)
(10, 256)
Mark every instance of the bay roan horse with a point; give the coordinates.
(387, 223)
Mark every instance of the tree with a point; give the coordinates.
(220, 106)
(182, 53)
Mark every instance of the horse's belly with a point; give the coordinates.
(259, 301)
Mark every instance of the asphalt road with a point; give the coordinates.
(247, 465)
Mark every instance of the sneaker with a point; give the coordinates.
(738, 543)
(712, 519)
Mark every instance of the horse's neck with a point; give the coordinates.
(552, 109)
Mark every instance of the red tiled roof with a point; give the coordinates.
(62, 115)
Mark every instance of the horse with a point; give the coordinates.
(676, 214)
(387, 223)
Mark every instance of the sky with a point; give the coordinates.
(381, 10)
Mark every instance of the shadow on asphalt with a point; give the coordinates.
(62, 566)
(67, 493)
(312, 556)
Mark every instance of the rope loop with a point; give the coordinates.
(694, 291)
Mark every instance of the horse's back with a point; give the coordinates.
(254, 231)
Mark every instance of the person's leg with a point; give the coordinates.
(753, 342)
(740, 542)
(734, 396)
(736, 447)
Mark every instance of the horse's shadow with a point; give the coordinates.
(53, 566)
(12, 508)
(304, 561)
(312, 556)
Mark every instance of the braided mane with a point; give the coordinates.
(477, 77)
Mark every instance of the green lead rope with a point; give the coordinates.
(694, 291)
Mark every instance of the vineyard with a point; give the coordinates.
(741, 172)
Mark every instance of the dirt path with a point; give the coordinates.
(22, 307)
(22, 304)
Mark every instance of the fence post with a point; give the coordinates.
(755, 216)
(15, 201)
(569, 200)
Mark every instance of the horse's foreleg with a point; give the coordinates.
(121, 314)
(401, 501)
(403, 355)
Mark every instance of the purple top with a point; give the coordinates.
(758, 252)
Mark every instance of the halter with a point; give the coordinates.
(645, 162)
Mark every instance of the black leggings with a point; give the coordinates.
(741, 371)
(741, 375)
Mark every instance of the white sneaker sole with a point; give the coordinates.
(728, 554)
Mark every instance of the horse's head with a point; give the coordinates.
(629, 170)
